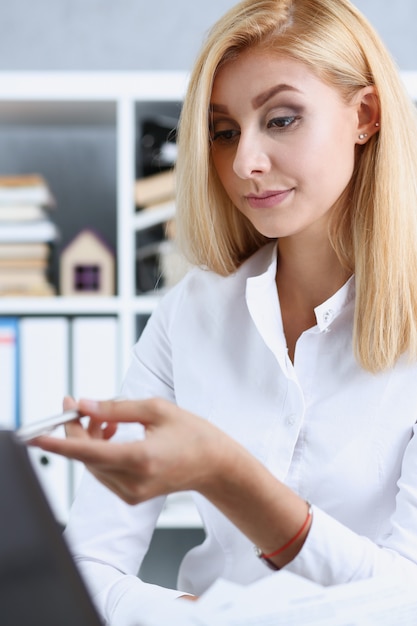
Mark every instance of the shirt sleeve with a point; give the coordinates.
(107, 537)
(334, 554)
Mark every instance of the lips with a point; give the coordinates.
(267, 199)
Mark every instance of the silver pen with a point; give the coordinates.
(45, 426)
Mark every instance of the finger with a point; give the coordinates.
(146, 412)
(101, 430)
(89, 451)
(75, 429)
(109, 430)
(95, 428)
(69, 403)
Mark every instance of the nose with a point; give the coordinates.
(251, 158)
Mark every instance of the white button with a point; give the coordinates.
(328, 315)
(291, 419)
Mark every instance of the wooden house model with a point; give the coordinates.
(87, 266)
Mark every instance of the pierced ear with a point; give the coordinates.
(368, 113)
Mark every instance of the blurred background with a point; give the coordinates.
(141, 35)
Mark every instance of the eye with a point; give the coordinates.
(283, 122)
(224, 136)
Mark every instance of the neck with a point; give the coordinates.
(308, 273)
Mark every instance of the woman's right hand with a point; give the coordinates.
(179, 452)
(182, 452)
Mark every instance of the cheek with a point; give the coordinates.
(224, 170)
(340, 164)
(327, 161)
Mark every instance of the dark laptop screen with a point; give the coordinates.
(39, 582)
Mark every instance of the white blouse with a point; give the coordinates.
(342, 438)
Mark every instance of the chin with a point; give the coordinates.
(275, 233)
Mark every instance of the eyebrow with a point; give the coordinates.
(259, 100)
(263, 97)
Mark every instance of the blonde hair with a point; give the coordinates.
(375, 232)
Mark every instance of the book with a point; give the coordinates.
(24, 277)
(24, 270)
(37, 231)
(155, 189)
(26, 235)
(25, 189)
(10, 251)
(20, 263)
(154, 214)
(21, 213)
(38, 291)
(21, 281)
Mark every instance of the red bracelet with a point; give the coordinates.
(267, 557)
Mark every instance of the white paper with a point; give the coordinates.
(287, 600)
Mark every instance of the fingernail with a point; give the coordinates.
(89, 405)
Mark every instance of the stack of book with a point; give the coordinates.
(159, 264)
(154, 199)
(26, 235)
(155, 191)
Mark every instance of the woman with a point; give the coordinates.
(281, 371)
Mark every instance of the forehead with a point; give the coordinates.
(255, 73)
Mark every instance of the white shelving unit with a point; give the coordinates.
(71, 98)
(113, 99)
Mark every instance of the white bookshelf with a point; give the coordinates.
(109, 100)
(73, 98)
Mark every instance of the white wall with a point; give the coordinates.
(148, 34)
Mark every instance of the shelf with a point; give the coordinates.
(46, 113)
(59, 86)
(61, 305)
(146, 218)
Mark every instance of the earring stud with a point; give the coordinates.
(377, 124)
(363, 136)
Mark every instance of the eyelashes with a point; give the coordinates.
(230, 135)
(283, 122)
(225, 136)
